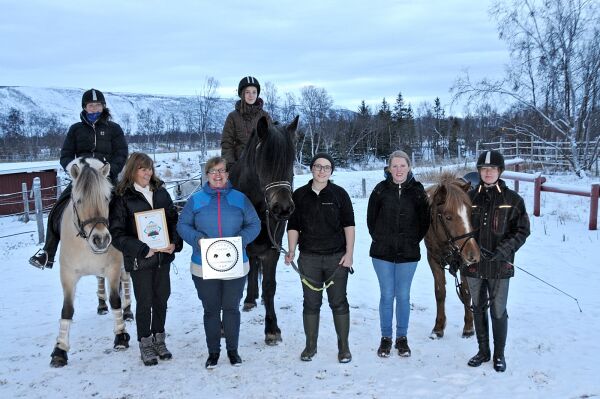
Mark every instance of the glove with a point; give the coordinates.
(499, 255)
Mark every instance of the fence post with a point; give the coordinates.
(517, 148)
(364, 188)
(537, 194)
(595, 193)
(39, 214)
(58, 187)
(25, 203)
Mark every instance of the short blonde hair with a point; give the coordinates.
(398, 154)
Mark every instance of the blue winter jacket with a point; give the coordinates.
(214, 213)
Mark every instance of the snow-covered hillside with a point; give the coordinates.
(552, 348)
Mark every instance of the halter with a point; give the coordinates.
(80, 226)
(282, 183)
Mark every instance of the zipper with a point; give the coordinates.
(135, 264)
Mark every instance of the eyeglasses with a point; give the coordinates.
(217, 171)
(319, 168)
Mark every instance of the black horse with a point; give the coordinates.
(264, 173)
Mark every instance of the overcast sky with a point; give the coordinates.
(356, 50)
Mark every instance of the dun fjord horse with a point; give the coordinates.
(264, 173)
(449, 241)
(86, 250)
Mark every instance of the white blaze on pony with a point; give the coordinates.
(86, 249)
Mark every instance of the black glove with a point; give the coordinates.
(453, 267)
(498, 255)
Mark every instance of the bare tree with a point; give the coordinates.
(269, 92)
(554, 71)
(206, 109)
(314, 104)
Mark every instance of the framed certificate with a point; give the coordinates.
(222, 258)
(152, 228)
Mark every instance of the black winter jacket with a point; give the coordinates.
(123, 227)
(501, 223)
(398, 219)
(320, 219)
(103, 140)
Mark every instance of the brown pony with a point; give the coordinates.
(450, 242)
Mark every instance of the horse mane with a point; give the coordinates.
(451, 186)
(92, 186)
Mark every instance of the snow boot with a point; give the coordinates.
(234, 357)
(147, 351)
(160, 347)
(385, 347)
(483, 340)
(211, 362)
(500, 329)
(311, 330)
(342, 328)
(402, 346)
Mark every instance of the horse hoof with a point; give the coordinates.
(121, 341)
(59, 357)
(468, 334)
(273, 339)
(127, 314)
(436, 334)
(248, 306)
(102, 310)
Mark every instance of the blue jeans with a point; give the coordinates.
(217, 296)
(395, 280)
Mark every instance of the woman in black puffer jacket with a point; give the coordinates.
(398, 218)
(140, 190)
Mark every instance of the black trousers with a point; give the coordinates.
(320, 268)
(53, 224)
(151, 288)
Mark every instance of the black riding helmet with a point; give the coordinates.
(92, 96)
(491, 158)
(248, 81)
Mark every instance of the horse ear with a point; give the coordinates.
(105, 170)
(74, 171)
(293, 126)
(440, 194)
(262, 127)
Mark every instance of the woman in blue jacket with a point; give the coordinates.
(219, 211)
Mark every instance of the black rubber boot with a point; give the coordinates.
(500, 329)
(311, 330)
(342, 328)
(483, 340)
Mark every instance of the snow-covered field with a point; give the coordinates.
(552, 349)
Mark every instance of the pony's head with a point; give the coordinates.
(270, 154)
(451, 216)
(90, 198)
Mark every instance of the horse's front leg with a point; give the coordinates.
(59, 354)
(465, 294)
(126, 295)
(439, 281)
(269, 285)
(101, 293)
(252, 285)
(114, 298)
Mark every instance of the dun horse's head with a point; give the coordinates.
(90, 198)
(451, 217)
(274, 162)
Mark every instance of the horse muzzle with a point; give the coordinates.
(100, 243)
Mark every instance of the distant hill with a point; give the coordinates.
(65, 104)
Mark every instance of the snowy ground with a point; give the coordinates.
(552, 348)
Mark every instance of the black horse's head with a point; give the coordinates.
(266, 168)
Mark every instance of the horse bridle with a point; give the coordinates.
(80, 226)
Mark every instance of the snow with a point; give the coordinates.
(552, 348)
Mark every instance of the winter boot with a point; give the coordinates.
(211, 362)
(500, 329)
(402, 346)
(342, 328)
(42, 260)
(234, 358)
(311, 330)
(483, 340)
(160, 347)
(147, 350)
(385, 347)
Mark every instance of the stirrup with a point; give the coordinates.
(35, 260)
